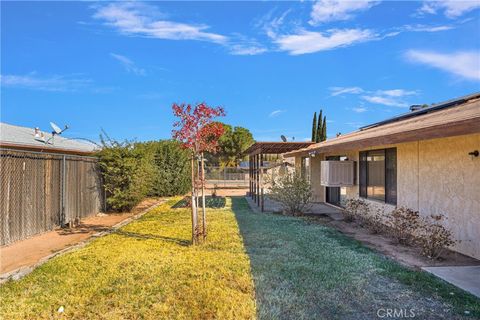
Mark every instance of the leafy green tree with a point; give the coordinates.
(314, 127)
(232, 144)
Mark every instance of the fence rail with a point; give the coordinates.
(232, 177)
(41, 191)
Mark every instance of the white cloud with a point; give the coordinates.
(359, 109)
(451, 8)
(397, 92)
(465, 64)
(245, 50)
(143, 20)
(275, 113)
(387, 101)
(336, 91)
(309, 41)
(390, 97)
(334, 10)
(426, 28)
(128, 64)
(242, 45)
(49, 83)
(355, 124)
(135, 18)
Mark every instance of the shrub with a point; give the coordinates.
(126, 174)
(132, 171)
(355, 208)
(171, 168)
(433, 237)
(292, 191)
(404, 224)
(374, 221)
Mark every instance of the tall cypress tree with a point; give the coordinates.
(314, 127)
(319, 127)
(324, 129)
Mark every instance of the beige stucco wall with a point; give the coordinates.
(434, 176)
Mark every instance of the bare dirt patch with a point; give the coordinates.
(29, 251)
(406, 255)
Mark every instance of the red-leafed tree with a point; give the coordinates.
(198, 132)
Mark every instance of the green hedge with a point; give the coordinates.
(133, 171)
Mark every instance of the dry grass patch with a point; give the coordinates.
(147, 270)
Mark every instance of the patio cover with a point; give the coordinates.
(275, 147)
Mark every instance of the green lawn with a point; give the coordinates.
(254, 265)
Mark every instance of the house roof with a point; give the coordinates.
(275, 147)
(12, 136)
(451, 118)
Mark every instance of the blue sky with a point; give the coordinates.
(119, 66)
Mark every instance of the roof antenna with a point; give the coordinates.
(56, 130)
(284, 139)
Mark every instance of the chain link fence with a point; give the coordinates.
(41, 191)
(226, 177)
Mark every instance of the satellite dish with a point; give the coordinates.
(55, 128)
(284, 139)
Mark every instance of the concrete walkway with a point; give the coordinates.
(465, 277)
(315, 208)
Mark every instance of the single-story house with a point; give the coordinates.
(427, 160)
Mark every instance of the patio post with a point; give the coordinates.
(258, 179)
(250, 176)
(261, 179)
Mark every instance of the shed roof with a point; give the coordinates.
(12, 136)
(275, 147)
(453, 120)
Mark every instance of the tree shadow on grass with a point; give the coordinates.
(143, 236)
(210, 202)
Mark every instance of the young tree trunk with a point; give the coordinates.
(194, 207)
(204, 214)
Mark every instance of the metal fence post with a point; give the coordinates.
(64, 183)
(224, 176)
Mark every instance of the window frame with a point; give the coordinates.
(305, 174)
(390, 196)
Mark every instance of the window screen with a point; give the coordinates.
(391, 176)
(378, 175)
(362, 175)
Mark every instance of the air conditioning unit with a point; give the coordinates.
(337, 173)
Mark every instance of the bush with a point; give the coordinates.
(126, 174)
(355, 208)
(433, 237)
(171, 168)
(374, 221)
(132, 171)
(404, 224)
(292, 191)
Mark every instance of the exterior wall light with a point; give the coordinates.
(474, 153)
